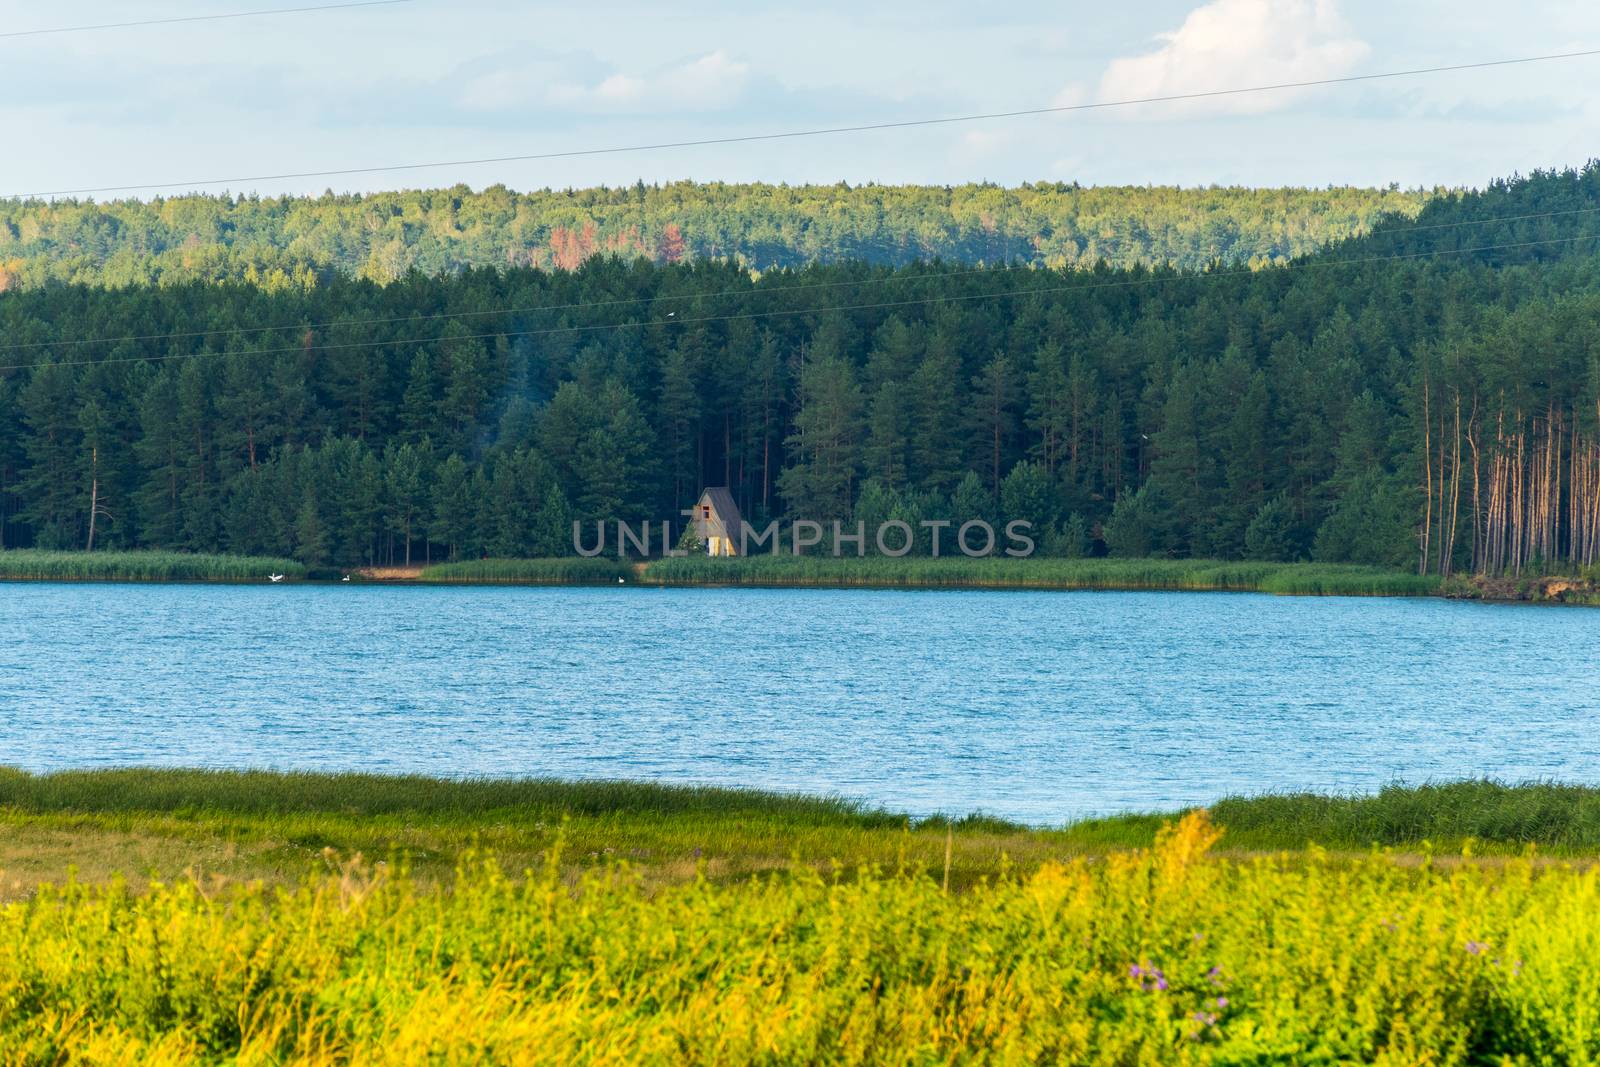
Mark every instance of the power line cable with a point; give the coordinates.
(200, 18)
(826, 131)
(790, 312)
(895, 279)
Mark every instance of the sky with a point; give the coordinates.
(426, 80)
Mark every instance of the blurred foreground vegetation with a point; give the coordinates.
(1151, 946)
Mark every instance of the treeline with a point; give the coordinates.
(295, 242)
(1435, 412)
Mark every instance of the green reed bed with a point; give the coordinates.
(1563, 818)
(996, 573)
(277, 824)
(152, 789)
(258, 824)
(574, 571)
(39, 565)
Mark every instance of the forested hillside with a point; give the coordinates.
(1380, 402)
(293, 242)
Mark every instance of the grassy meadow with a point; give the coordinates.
(28, 564)
(536, 921)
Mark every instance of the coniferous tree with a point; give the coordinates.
(419, 407)
(825, 444)
(10, 456)
(994, 419)
(453, 509)
(936, 418)
(406, 490)
(53, 487)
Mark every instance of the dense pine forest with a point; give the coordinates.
(294, 242)
(1422, 396)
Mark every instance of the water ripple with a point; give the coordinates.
(1039, 706)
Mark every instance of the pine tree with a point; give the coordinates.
(244, 412)
(679, 414)
(819, 483)
(311, 540)
(53, 484)
(467, 386)
(936, 418)
(453, 507)
(1049, 417)
(994, 397)
(160, 450)
(552, 523)
(406, 489)
(887, 456)
(10, 454)
(419, 407)
(198, 489)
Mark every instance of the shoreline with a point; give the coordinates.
(788, 572)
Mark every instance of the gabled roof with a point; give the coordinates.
(724, 509)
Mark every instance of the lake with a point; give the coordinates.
(1035, 706)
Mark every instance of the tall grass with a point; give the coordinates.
(997, 573)
(1162, 956)
(150, 789)
(570, 571)
(37, 564)
(256, 824)
(1550, 815)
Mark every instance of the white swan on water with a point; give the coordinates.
(274, 577)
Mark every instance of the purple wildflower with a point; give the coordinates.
(1151, 979)
(1476, 947)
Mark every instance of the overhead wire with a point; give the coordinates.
(199, 18)
(818, 132)
(791, 312)
(531, 309)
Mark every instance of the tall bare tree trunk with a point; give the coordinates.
(1478, 531)
(94, 494)
(1427, 478)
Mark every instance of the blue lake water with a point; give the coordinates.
(1037, 706)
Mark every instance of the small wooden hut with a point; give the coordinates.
(717, 521)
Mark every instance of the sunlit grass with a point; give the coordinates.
(275, 826)
(257, 824)
(40, 565)
(1167, 955)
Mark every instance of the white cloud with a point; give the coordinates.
(1230, 44)
(708, 82)
(976, 145)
